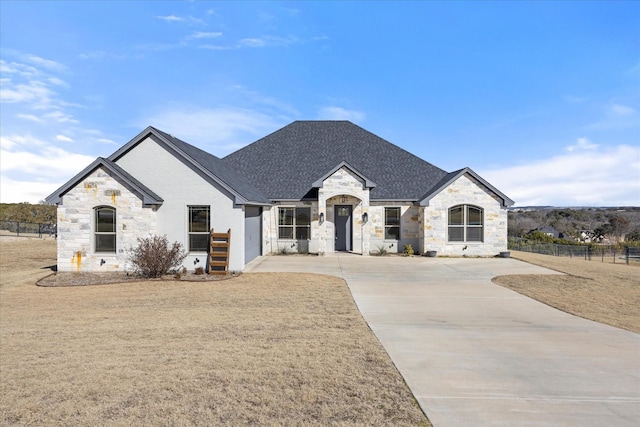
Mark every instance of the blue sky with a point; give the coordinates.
(542, 99)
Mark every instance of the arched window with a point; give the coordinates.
(105, 229)
(466, 224)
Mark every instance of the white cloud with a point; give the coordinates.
(267, 41)
(219, 130)
(252, 42)
(621, 110)
(204, 35)
(582, 144)
(17, 68)
(36, 93)
(57, 82)
(593, 176)
(174, 18)
(100, 54)
(63, 138)
(7, 143)
(96, 54)
(45, 63)
(34, 88)
(14, 191)
(616, 116)
(21, 140)
(48, 162)
(32, 169)
(30, 117)
(60, 117)
(170, 18)
(214, 47)
(339, 113)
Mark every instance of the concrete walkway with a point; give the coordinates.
(477, 354)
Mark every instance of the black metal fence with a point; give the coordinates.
(603, 253)
(27, 229)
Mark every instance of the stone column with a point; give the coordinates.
(322, 225)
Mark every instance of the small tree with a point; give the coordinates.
(154, 257)
(633, 236)
(539, 236)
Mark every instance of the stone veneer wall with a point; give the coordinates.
(409, 227)
(341, 188)
(76, 223)
(270, 225)
(465, 190)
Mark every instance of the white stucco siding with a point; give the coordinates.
(465, 190)
(181, 187)
(76, 223)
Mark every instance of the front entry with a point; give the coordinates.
(342, 221)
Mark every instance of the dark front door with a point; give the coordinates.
(342, 220)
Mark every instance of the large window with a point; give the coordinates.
(294, 223)
(466, 224)
(392, 223)
(199, 219)
(105, 229)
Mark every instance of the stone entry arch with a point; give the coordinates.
(356, 236)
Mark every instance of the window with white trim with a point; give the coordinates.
(466, 224)
(199, 225)
(294, 223)
(392, 223)
(105, 229)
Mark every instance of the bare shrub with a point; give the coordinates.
(154, 256)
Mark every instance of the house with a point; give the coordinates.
(312, 187)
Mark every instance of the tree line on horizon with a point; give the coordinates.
(599, 225)
(613, 224)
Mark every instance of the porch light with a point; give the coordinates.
(321, 217)
(365, 218)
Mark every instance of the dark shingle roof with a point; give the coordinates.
(285, 164)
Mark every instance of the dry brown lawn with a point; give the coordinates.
(604, 292)
(267, 349)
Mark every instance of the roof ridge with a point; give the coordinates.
(286, 163)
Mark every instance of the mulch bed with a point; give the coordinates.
(88, 279)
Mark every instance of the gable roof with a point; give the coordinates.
(201, 162)
(287, 164)
(147, 196)
(293, 162)
(451, 177)
(367, 182)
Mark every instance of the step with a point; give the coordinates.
(217, 263)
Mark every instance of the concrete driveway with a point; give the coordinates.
(477, 354)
